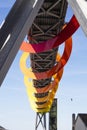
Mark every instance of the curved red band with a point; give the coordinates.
(68, 31)
(54, 70)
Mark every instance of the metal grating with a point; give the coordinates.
(47, 24)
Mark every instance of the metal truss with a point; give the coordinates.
(40, 120)
(47, 24)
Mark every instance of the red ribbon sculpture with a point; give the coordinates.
(43, 104)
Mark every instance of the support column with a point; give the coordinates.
(14, 30)
(80, 10)
(53, 116)
(40, 120)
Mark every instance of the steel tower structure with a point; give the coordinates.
(48, 23)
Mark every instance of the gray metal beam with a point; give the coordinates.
(13, 31)
(80, 10)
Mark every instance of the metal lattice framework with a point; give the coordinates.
(46, 65)
(40, 120)
(47, 69)
(47, 24)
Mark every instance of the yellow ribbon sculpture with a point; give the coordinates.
(43, 104)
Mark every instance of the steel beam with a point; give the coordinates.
(80, 10)
(13, 31)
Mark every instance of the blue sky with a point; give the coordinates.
(15, 110)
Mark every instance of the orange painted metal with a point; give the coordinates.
(47, 74)
(43, 104)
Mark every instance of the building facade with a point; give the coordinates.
(80, 122)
